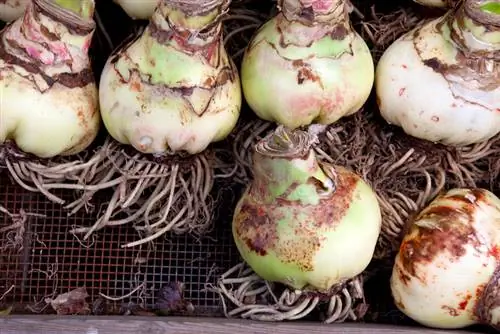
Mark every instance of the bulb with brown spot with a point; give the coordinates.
(451, 76)
(301, 222)
(185, 93)
(446, 257)
(50, 104)
(307, 65)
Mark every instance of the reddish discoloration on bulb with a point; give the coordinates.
(321, 5)
(29, 36)
(208, 51)
(406, 279)
(480, 290)
(136, 86)
(318, 6)
(463, 304)
(37, 54)
(307, 106)
(305, 73)
(82, 117)
(207, 43)
(61, 51)
(255, 222)
(422, 244)
(494, 251)
(255, 228)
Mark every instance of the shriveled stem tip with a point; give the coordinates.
(285, 143)
(311, 9)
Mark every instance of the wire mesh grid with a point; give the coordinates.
(51, 260)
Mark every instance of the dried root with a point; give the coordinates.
(14, 233)
(131, 303)
(382, 30)
(45, 175)
(486, 162)
(241, 22)
(51, 274)
(246, 295)
(141, 287)
(9, 290)
(405, 172)
(171, 193)
(243, 139)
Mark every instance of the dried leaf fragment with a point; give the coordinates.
(71, 303)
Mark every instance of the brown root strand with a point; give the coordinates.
(382, 30)
(225, 167)
(240, 23)
(77, 173)
(243, 139)
(405, 172)
(170, 194)
(14, 233)
(245, 295)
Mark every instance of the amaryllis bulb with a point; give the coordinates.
(307, 65)
(173, 88)
(49, 100)
(304, 223)
(440, 81)
(448, 258)
(138, 9)
(11, 10)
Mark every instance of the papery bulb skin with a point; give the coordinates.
(11, 10)
(307, 65)
(302, 223)
(447, 258)
(173, 88)
(138, 9)
(49, 95)
(440, 82)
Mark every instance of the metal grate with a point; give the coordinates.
(53, 261)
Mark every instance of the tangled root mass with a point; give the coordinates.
(246, 295)
(156, 195)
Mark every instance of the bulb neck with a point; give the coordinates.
(192, 23)
(475, 25)
(312, 12)
(285, 160)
